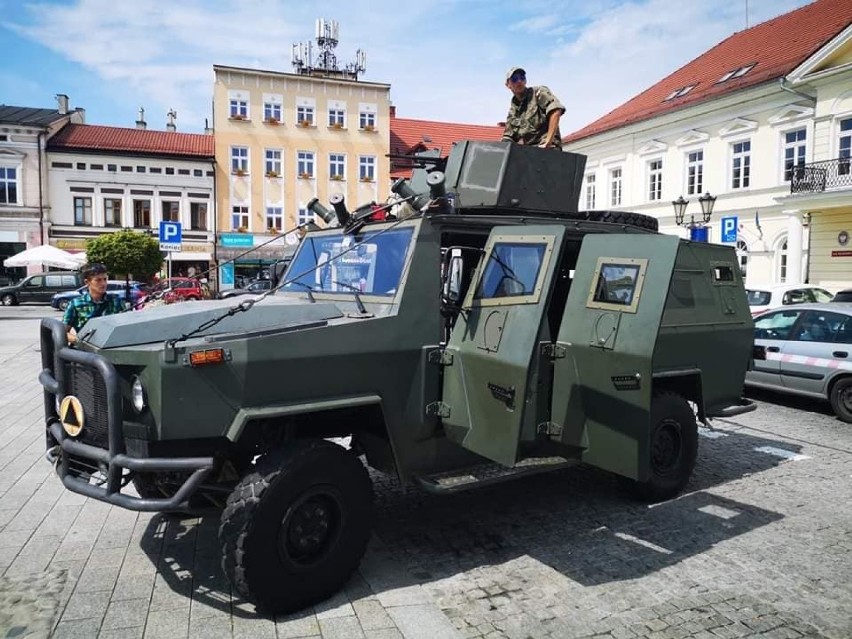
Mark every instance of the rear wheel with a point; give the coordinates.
(296, 527)
(841, 399)
(63, 304)
(673, 448)
(9, 300)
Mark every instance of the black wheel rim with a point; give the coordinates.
(666, 447)
(311, 526)
(846, 399)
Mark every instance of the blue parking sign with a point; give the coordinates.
(729, 229)
(170, 236)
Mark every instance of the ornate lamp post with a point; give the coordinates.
(697, 230)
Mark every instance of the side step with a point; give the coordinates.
(485, 474)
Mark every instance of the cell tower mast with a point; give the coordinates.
(325, 62)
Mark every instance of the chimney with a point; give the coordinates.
(62, 99)
(140, 121)
(208, 130)
(392, 110)
(170, 125)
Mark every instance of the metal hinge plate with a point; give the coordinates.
(441, 356)
(554, 351)
(438, 409)
(550, 429)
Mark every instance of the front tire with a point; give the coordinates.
(673, 448)
(841, 399)
(9, 300)
(295, 528)
(63, 304)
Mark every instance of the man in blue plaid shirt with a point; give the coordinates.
(94, 301)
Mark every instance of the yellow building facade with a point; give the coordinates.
(282, 139)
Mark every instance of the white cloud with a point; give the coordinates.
(444, 59)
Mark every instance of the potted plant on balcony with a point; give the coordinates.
(238, 116)
(240, 172)
(305, 123)
(369, 128)
(366, 178)
(272, 174)
(242, 229)
(336, 125)
(306, 176)
(337, 177)
(272, 121)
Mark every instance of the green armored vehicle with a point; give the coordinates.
(486, 329)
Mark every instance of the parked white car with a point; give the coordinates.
(763, 299)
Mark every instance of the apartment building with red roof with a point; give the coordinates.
(106, 178)
(763, 122)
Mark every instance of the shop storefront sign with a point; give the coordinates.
(236, 239)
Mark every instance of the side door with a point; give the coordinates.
(811, 354)
(771, 332)
(487, 393)
(31, 290)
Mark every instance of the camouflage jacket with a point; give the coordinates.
(526, 122)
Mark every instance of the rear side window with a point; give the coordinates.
(821, 295)
(819, 326)
(69, 280)
(796, 296)
(53, 281)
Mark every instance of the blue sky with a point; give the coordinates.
(444, 59)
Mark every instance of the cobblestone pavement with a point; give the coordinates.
(760, 545)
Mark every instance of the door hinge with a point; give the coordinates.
(554, 351)
(441, 356)
(549, 429)
(438, 409)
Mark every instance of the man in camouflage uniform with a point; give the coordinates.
(533, 114)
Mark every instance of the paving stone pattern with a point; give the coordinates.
(759, 546)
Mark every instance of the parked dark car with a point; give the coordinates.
(843, 296)
(39, 288)
(114, 287)
(254, 287)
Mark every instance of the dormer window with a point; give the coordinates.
(679, 93)
(736, 73)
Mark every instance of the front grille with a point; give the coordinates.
(87, 385)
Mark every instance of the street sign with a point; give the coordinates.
(729, 229)
(170, 236)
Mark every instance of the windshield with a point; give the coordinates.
(373, 267)
(758, 298)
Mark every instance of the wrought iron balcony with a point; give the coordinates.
(821, 176)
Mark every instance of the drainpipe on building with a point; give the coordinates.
(40, 141)
(215, 233)
(810, 98)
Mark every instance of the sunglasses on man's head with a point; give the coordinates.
(517, 77)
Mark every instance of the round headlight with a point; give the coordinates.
(137, 393)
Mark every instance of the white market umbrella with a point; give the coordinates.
(46, 255)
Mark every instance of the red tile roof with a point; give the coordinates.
(90, 137)
(775, 48)
(407, 136)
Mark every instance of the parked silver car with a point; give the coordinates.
(807, 350)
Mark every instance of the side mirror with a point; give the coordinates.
(453, 278)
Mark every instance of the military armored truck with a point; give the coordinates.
(485, 329)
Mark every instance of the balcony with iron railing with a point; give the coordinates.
(826, 175)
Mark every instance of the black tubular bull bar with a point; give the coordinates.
(54, 352)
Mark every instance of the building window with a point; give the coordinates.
(274, 218)
(272, 112)
(240, 218)
(155, 169)
(615, 187)
(794, 152)
(96, 167)
(305, 115)
(741, 165)
(305, 164)
(336, 118)
(112, 212)
(367, 121)
(844, 147)
(782, 263)
(197, 173)
(170, 170)
(694, 172)
(272, 163)
(239, 159)
(81, 166)
(83, 211)
(590, 192)
(367, 168)
(140, 169)
(142, 214)
(655, 180)
(8, 185)
(183, 171)
(198, 216)
(304, 216)
(337, 166)
(238, 109)
(742, 256)
(171, 211)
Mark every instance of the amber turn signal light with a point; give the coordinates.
(211, 356)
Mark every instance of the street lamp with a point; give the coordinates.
(706, 201)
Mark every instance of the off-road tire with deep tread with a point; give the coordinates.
(671, 418)
(626, 218)
(251, 532)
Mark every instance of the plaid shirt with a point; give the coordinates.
(81, 309)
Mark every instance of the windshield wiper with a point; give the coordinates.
(308, 289)
(361, 308)
(508, 273)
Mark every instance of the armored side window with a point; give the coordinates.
(617, 284)
(723, 273)
(513, 271)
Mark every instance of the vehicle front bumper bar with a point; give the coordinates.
(113, 460)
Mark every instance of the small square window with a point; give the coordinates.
(81, 166)
(198, 172)
(170, 170)
(111, 167)
(140, 169)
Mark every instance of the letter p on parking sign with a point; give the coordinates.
(170, 236)
(729, 229)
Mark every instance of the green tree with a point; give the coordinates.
(126, 253)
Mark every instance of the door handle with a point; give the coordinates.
(840, 354)
(773, 349)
